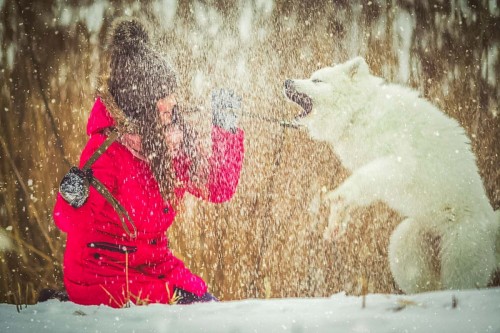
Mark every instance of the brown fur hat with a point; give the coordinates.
(138, 75)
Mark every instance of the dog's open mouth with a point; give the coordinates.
(301, 99)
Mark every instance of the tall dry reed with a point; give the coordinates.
(267, 241)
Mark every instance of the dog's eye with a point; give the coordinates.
(316, 81)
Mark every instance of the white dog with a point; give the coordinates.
(405, 152)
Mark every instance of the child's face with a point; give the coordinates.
(165, 107)
(173, 134)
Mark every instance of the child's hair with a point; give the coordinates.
(139, 74)
(137, 77)
(159, 156)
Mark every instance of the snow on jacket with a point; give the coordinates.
(99, 254)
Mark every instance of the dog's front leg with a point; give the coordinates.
(380, 179)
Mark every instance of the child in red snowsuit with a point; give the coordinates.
(105, 262)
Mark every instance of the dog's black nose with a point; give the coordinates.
(288, 84)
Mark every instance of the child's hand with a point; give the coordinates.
(174, 137)
(222, 100)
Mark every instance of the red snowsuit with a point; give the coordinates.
(97, 246)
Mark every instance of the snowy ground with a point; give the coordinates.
(447, 311)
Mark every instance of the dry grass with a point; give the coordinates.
(267, 241)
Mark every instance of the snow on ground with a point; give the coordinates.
(444, 311)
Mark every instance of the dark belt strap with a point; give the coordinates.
(113, 135)
(120, 210)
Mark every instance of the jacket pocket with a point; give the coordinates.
(112, 247)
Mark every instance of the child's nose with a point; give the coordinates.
(173, 99)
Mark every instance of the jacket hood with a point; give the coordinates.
(99, 118)
(105, 113)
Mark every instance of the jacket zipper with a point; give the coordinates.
(112, 247)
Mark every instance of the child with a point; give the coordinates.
(117, 248)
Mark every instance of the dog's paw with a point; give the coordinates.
(338, 220)
(333, 232)
(352, 192)
(331, 197)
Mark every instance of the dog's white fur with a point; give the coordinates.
(405, 152)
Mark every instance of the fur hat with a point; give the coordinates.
(139, 75)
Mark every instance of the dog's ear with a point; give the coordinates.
(357, 66)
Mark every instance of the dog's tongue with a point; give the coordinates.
(301, 99)
(305, 102)
(303, 113)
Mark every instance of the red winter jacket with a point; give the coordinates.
(97, 247)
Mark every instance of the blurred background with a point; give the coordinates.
(267, 241)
